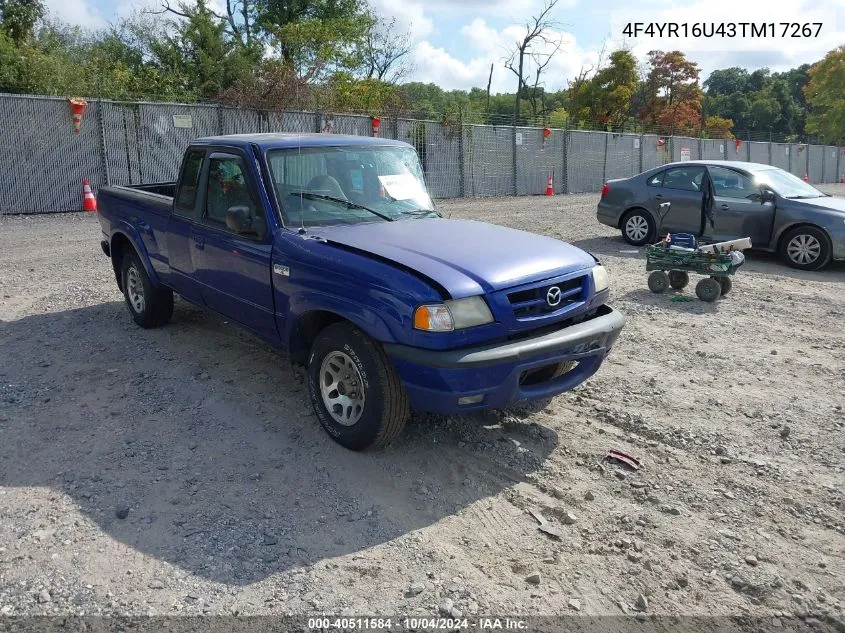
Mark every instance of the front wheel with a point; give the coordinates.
(726, 284)
(708, 289)
(638, 228)
(805, 248)
(658, 282)
(354, 389)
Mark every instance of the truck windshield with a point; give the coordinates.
(786, 184)
(320, 186)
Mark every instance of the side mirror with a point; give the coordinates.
(767, 195)
(239, 220)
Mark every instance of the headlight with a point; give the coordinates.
(452, 315)
(600, 278)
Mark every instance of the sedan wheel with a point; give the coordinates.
(806, 248)
(637, 228)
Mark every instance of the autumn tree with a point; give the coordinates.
(718, 127)
(674, 97)
(824, 96)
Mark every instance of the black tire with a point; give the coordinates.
(155, 307)
(727, 285)
(658, 282)
(385, 406)
(805, 248)
(678, 279)
(637, 227)
(708, 289)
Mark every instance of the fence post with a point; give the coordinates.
(838, 176)
(104, 154)
(604, 163)
(461, 156)
(642, 143)
(748, 146)
(515, 159)
(823, 157)
(808, 158)
(770, 146)
(565, 157)
(220, 119)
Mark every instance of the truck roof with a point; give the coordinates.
(292, 141)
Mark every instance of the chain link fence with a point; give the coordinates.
(43, 162)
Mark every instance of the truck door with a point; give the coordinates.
(738, 207)
(186, 212)
(234, 267)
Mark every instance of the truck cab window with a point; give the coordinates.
(228, 187)
(186, 198)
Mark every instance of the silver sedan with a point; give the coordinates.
(726, 200)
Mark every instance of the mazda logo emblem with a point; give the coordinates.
(553, 296)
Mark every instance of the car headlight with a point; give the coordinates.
(452, 315)
(600, 279)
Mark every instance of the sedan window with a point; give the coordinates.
(728, 183)
(684, 178)
(656, 180)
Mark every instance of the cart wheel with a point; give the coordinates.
(708, 289)
(726, 284)
(678, 279)
(658, 282)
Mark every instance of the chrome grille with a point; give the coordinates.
(544, 299)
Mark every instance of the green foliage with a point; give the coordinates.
(824, 94)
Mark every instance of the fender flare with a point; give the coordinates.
(367, 319)
(129, 232)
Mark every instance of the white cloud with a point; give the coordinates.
(487, 45)
(76, 12)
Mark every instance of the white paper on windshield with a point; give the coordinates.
(402, 186)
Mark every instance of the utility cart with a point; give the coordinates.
(672, 260)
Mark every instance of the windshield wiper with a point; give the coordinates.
(418, 213)
(802, 197)
(349, 204)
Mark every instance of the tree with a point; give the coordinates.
(726, 81)
(824, 96)
(765, 112)
(386, 52)
(613, 88)
(19, 17)
(718, 127)
(537, 46)
(674, 98)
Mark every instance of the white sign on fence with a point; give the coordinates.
(327, 124)
(722, 148)
(636, 143)
(183, 121)
(519, 138)
(685, 153)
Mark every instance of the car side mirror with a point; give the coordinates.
(767, 195)
(239, 220)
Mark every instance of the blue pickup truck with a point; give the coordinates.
(330, 248)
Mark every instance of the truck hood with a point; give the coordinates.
(465, 257)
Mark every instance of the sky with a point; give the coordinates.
(456, 41)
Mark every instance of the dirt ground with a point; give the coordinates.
(234, 501)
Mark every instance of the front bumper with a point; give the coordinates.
(492, 376)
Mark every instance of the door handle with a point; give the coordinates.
(199, 242)
(659, 196)
(724, 206)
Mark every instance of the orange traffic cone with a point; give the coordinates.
(550, 188)
(806, 177)
(89, 202)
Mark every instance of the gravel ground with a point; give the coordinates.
(181, 470)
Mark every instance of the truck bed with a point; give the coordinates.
(157, 198)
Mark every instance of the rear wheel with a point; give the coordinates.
(637, 227)
(726, 284)
(805, 248)
(354, 389)
(149, 306)
(678, 279)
